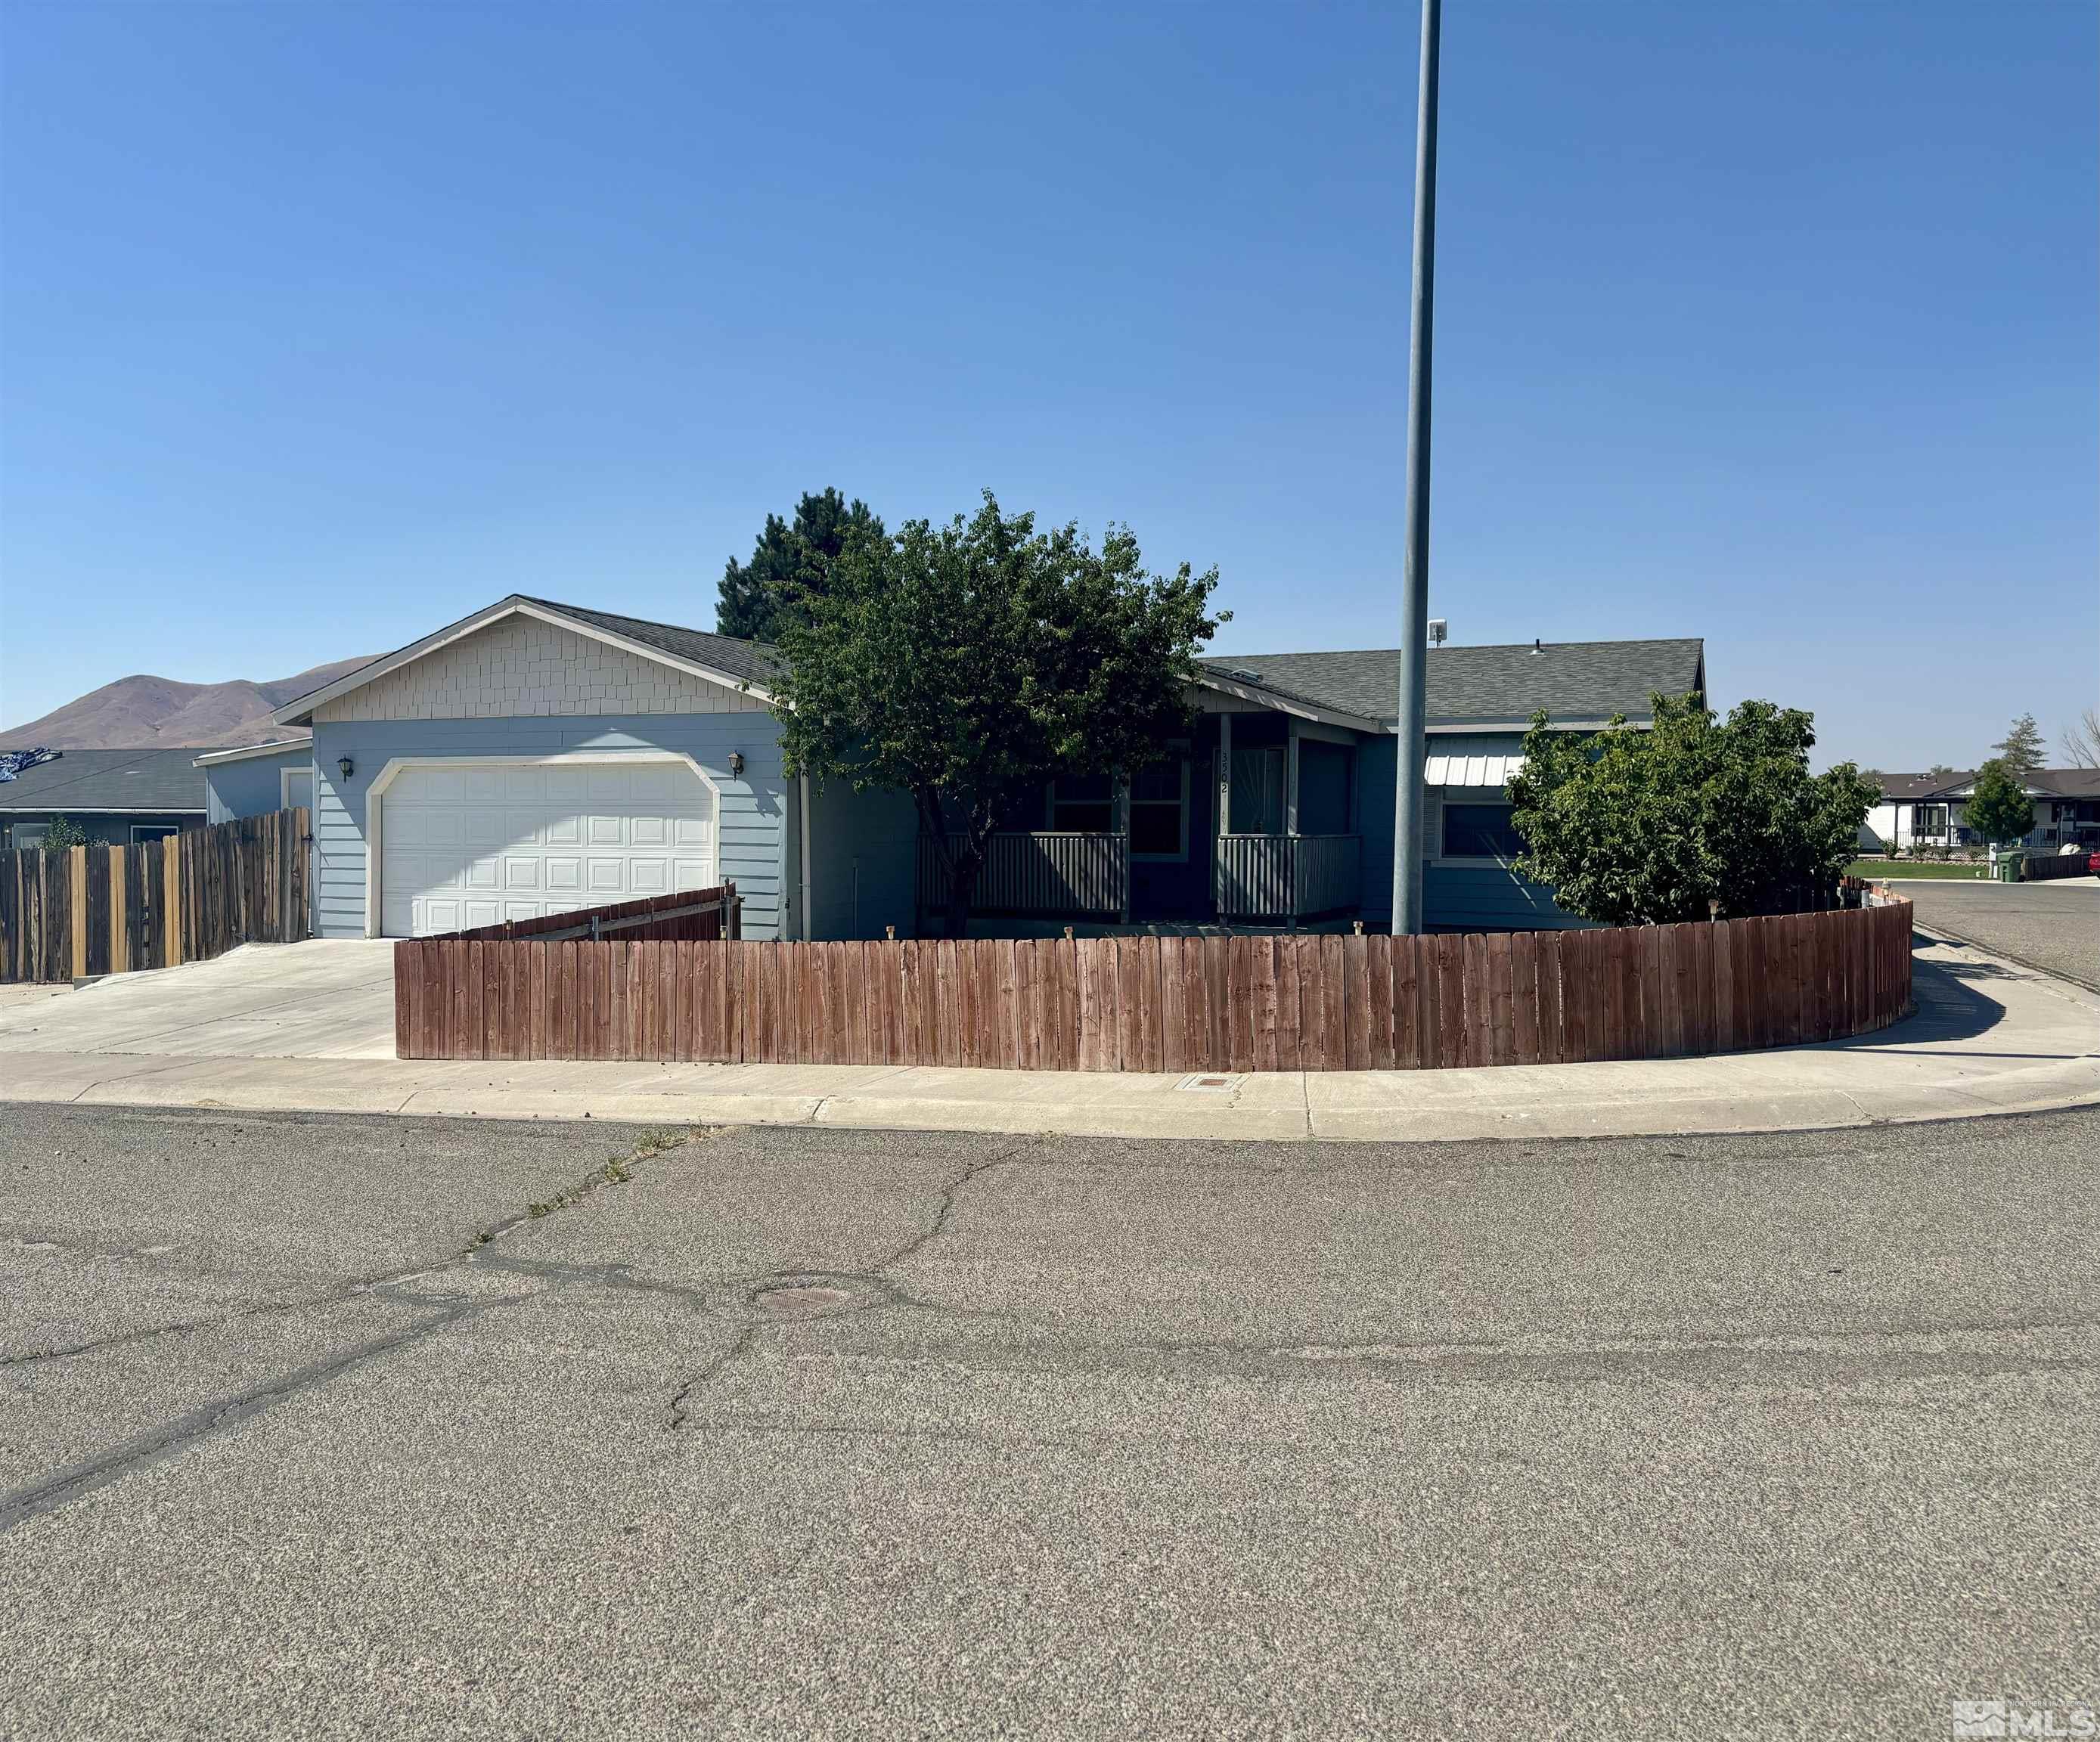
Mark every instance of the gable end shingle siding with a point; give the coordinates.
(521, 667)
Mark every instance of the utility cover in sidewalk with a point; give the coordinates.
(1209, 1085)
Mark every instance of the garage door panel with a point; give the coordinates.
(473, 846)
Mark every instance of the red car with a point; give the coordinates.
(2092, 865)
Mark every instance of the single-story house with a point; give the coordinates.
(535, 757)
(115, 795)
(257, 777)
(1927, 810)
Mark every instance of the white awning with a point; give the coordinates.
(1470, 771)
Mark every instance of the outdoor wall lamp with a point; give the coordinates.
(345, 767)
(736, 762)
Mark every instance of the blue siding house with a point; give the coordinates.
(257, 777)
(536, 757)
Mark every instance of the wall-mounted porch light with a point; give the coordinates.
(736, 762)
(345, 767)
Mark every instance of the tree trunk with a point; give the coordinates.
(962, 885)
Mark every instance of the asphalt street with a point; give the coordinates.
(312, 1428)
(2052, 926)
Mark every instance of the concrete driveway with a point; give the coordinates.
(327, 999)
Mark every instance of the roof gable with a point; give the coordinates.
(738, 666)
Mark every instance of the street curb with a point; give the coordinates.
(1948, 934)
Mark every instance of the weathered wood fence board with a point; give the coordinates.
(109, 910)
(1177, 1004)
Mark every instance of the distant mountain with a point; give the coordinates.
(137, 713)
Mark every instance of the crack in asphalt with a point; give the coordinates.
(675, 1415)
(173, 1437)
(679, 1409)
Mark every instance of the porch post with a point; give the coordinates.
(1122, 828)
(1224, 812)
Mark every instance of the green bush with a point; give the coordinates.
(1632, 826)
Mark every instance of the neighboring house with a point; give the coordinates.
(257, 777)
(535, 757)
(1928, 810)
(115, 795)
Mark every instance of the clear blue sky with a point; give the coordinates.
(322, 325)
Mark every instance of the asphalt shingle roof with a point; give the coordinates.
(81, 781)
(2056, 783)
(751, 661)
(1570, 680)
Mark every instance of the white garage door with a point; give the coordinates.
(463, 846)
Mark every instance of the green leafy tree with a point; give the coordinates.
(2020, 749)
(1941, 771)
(1998, 808)
(790, 564)
(62, 832)
(1635, 826)
(969, 662)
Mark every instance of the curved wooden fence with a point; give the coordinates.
(1224, 1004)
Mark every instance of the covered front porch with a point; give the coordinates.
(1252, 822)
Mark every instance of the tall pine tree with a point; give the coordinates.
(790, 563)
(2020, 749)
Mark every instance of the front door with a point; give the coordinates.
(1170, 840)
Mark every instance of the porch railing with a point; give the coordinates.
(1063, 874)
(1288, 876)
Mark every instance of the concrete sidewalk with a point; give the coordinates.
(307, 1028)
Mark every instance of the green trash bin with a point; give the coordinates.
(2006, 868)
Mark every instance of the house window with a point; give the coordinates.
(1159, 811)
(26, 835)
(1479, 832)
(1928, 820)
(152, 831)
(297, 788)
(1084, 806)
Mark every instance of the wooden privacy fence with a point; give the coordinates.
(1234, 1004)
(108, 909)
(693, 914)
(2041, 867)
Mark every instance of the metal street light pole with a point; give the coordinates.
(1408, 842)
